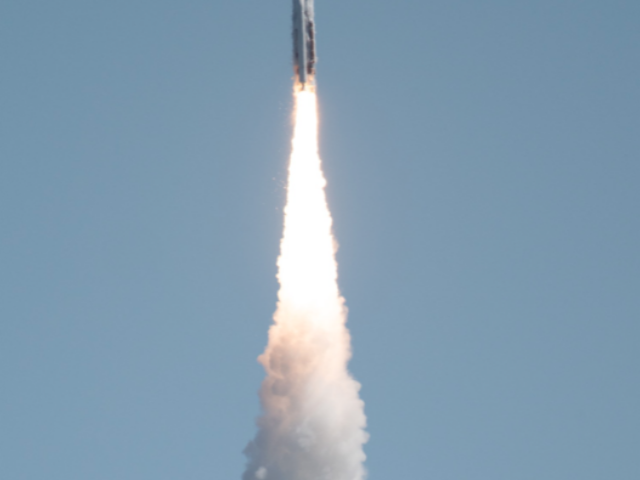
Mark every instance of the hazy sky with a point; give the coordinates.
(483, 168)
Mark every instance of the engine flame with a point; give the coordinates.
(312, 427)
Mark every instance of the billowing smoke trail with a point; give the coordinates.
(312, 427)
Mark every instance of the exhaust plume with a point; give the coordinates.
(312, 426)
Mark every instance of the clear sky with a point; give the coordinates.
(483, 168)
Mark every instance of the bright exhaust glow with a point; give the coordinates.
(313, 421)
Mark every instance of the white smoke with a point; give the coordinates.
(312, 427)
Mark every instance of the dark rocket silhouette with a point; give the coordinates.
(304, 49)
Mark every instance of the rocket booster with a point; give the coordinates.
(304, 49)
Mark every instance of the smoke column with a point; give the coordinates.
(312, 426)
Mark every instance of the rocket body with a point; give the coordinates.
(304, 49)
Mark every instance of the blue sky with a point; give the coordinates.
(482, 160)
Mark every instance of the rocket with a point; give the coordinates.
(304, 49)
